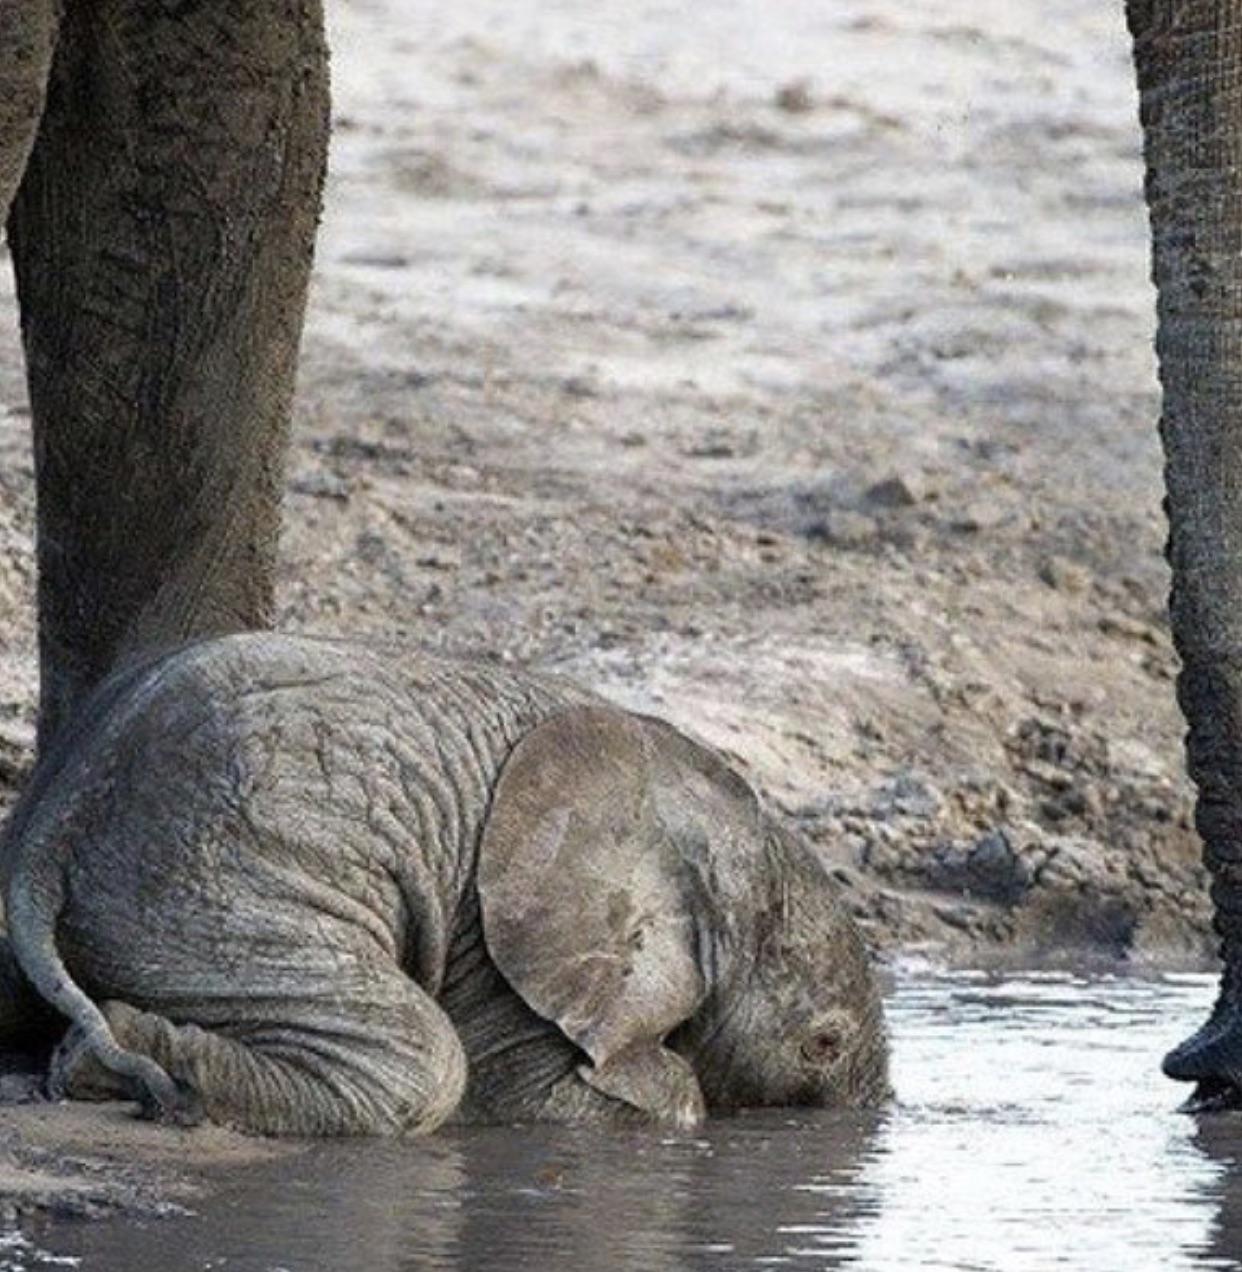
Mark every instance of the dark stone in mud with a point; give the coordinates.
(899, 491)
(989, 869)
(795, 98)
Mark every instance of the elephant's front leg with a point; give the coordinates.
(162, 237)
(1187, 54)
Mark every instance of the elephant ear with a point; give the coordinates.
(603, 831)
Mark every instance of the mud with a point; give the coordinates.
(83, 1161)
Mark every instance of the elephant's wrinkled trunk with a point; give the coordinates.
(1188, 57)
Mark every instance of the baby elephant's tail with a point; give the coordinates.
(35, 899)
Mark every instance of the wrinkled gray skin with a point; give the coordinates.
(160, 166)
(1187, 54)
(317, 889)
(303, 887)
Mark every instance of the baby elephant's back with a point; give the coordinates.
(266, 801)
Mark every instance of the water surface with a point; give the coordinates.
(1033, 1131)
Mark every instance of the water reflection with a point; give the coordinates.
(1033, 1131)
(747, 1194)
(1219, 1139)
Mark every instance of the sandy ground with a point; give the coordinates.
(778, 366)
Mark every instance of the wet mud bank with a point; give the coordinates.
(70, 1160)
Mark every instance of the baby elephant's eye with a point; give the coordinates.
(821, 1047)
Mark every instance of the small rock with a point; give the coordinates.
(1075, 862)
(579, 386)
(906, 794)
(321, 486)
(377, 260)
(795, 98)
(957, 916)
(897, 491)
(441, 559)
(1042, 771)
(996, 871)
(1063, 576)
(989, 869)
(716, 445)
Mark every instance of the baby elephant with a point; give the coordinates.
(302, 887)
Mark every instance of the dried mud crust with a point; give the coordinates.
(789, 377)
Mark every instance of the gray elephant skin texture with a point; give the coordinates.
(315, 888)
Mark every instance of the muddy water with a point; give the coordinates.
(1033, 1131)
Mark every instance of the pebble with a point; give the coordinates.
(795, 98)
(897, 491)
(321, 486)
(579, 386)
(993, 869)
(906, 794)
(1063, 576)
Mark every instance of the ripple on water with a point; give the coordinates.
(1033, 1131)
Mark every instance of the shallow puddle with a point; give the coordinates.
(1033, 1131)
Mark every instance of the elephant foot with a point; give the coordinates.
(77, 1072)
(1212, 1057)
(1213, 1095)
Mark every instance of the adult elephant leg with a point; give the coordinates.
(1187, 55)
(27, 36)
(162, 237)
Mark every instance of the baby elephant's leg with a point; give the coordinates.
(315, 1068)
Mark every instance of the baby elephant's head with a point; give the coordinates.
(793, 1014)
